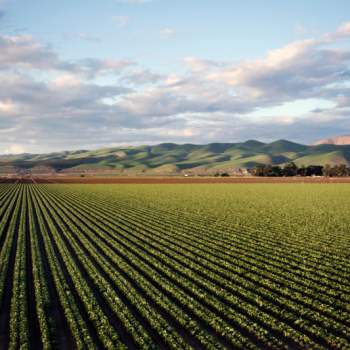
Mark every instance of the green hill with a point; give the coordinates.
(173, 158)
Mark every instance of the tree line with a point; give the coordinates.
(291, 169)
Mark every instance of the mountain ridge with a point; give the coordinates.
(178, 158)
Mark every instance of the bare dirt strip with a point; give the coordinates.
(171, 180)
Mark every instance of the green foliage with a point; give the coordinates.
(336, 171)
(291, 169)
(177, 266)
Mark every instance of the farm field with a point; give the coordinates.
(157, 180)
(174, 266)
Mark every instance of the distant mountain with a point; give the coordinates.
(170, 158)
(338, 140)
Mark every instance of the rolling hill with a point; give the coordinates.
(170, 158)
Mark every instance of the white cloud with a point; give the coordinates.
(73, 106)
(25, 53)
(343, 31)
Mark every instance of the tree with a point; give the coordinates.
(258, 170)
(342, 170)
(302, 171)
(314, 170)
(276, 170)
(290, 169)
(268, 171)
(327, 170)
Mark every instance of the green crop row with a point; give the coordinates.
(174, 266)
(194, 276)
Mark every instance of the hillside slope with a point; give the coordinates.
(168, 158)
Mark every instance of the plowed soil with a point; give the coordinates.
(170, 180)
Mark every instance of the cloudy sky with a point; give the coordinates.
(85, 74)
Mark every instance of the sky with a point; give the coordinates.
(87, 74)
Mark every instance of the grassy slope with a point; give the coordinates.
(171, 157)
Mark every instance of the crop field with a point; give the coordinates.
(175, 266)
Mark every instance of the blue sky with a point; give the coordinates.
(183, 71)
(220, 30)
